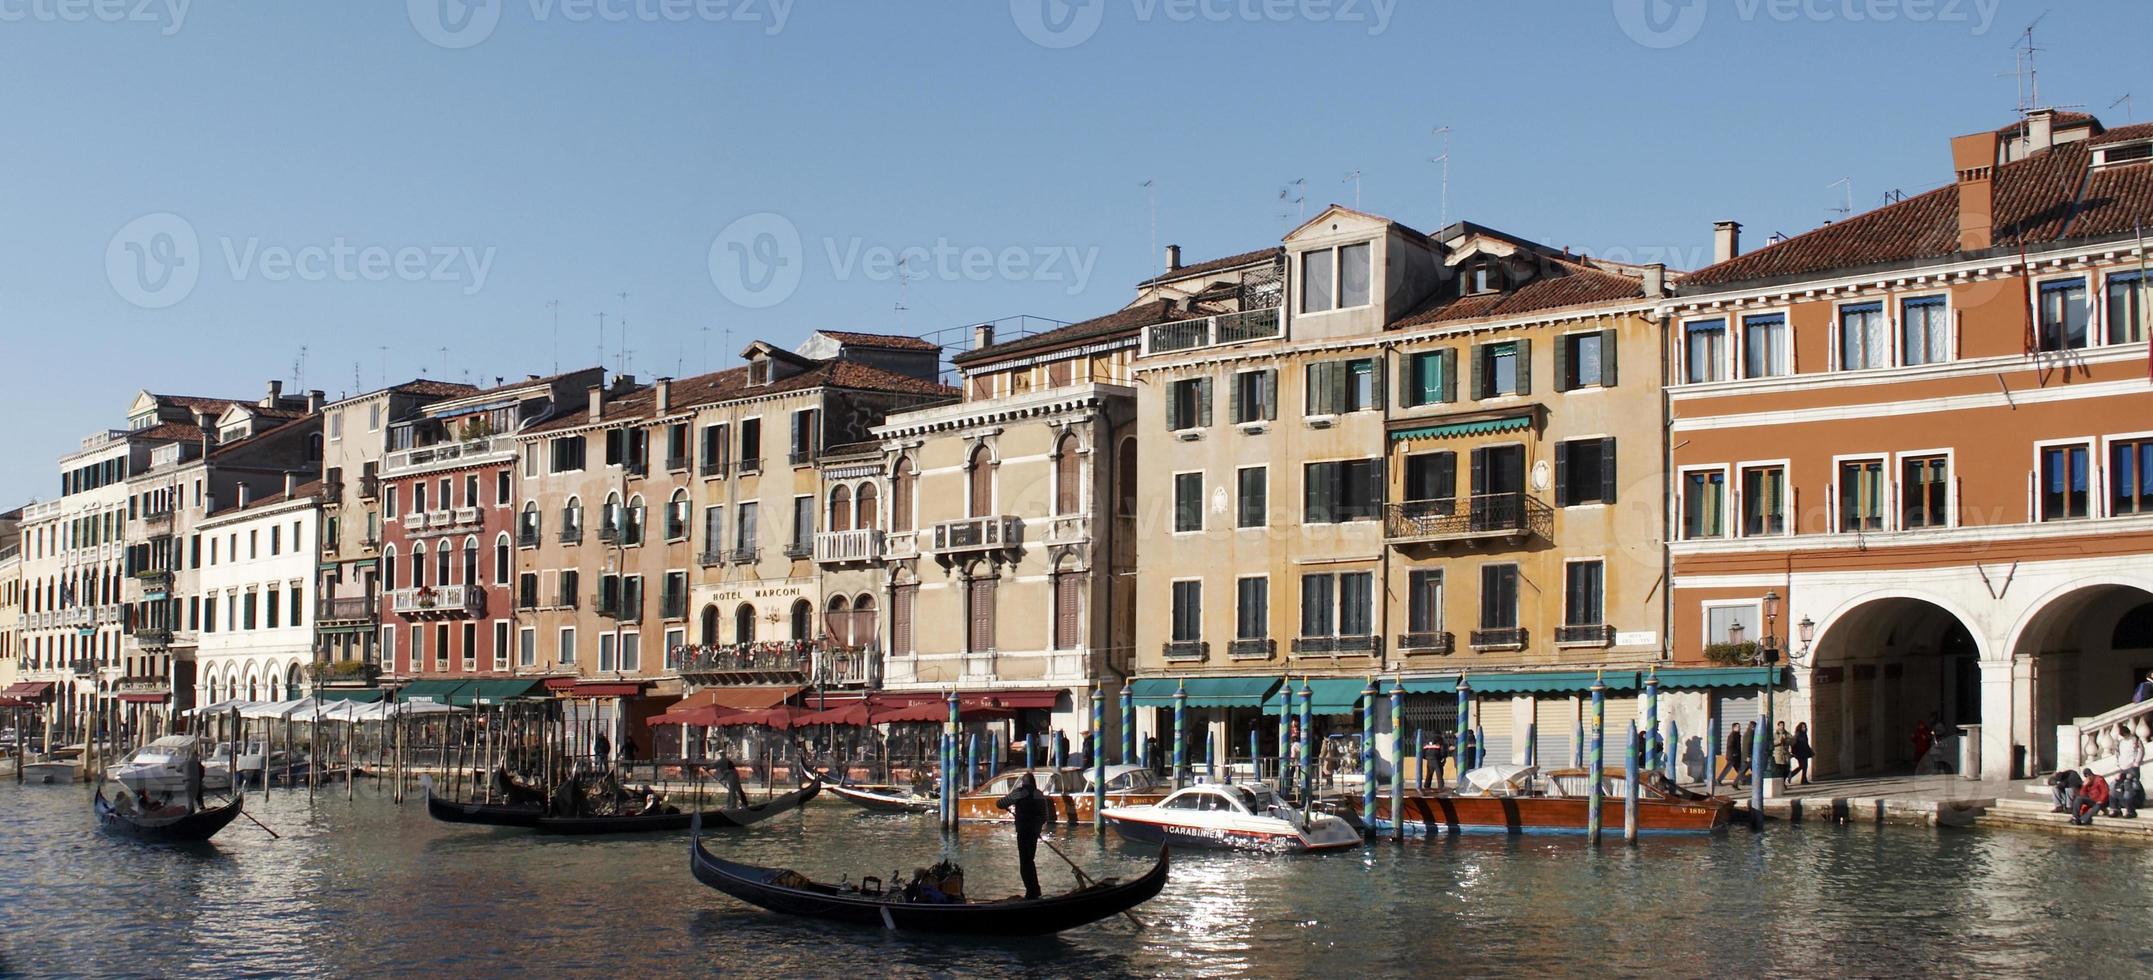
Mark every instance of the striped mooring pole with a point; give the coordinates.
(1595, 757)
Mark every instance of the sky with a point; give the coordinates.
(201, 196)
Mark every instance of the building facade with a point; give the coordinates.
(258, 595)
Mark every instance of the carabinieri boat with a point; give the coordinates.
(1239, 817)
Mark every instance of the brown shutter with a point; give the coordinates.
(981, 616)
(982, 477)
(901, 497)
(865, 501)
(901, 619)
(1068, 610)
(1067, 498)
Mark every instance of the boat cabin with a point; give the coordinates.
(1076, 782)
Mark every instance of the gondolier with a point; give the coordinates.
(1030, 809)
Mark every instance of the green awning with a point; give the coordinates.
(363, 695)
(1448, 430)
(1327, 695)
(494, 692)
(436, 691)
(1580, 681)
(1203, 692)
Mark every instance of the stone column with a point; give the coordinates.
(2006, 702)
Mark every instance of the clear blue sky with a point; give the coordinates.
(591, 157)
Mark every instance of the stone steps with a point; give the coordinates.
(1873, 809)
(2029, 814)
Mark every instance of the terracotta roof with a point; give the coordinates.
(1127, 321)
(732, 383)
(1273, 253)
(879, 341)
(2047, 197)
(853, 374)
(429, 388)
(2061, 120)
(170, 431)
(198, 403)
(1575, 284)
(272, 498)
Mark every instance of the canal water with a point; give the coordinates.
(366, 887)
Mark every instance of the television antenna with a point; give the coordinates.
(1355, 179)
(299, 368)
(1443, 215)
(1294, 195)
(2125, 102)
(2023, 68)
(1848, 208)
(1151, 198)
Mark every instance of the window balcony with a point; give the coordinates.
(744, 556)
(572, 534)
(348, 608)
(1499, 639)
(155, 578)
(798, 550)
(1598, 635)
(675, 464)
(1257, 649)
(158, 524)
(527, 538)
(414, 521)
(749, 467)
(712, 468)
(464, 516)
(978, 534)
(1343, 645)
(1428, 644)
(1212, 331)
(153, 636)
(801, 457)
(1185, 651)
(1495, 515)
(1069, 529)
(859, 546)
(440, 601)
(369, 487)
(710, 558)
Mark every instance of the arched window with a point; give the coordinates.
(840, 509)
(744, 624)
(291, 680)
(471, 574)
(865, 506)
(572, 519)
(901, 486)
(529, 524)
(710, 626)
(1068, 484)
(803, 620)
(444, 559)
(839, 603)
(418, 565)
(388, 568)
(676, 517)
(609, 520)
(632, 521)
(979, 472)
(500, 559)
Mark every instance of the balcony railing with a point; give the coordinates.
(83, 667)
(369, 487)
(1597, 635)
(978, 534)
(332, 493)
(766, 661)
(154, 577)
(153, 636)
(1467, 518)
(801, 457)
(1437, 644)
(1346, 645)
(800, 549)
(1500, 638)
(1179, 650)
(845, 547)
(527, 538)
(674, 464)
(438, 600)
(348, 607)
(1069, 529)
(744, 556)
(1258, 649)
(751, 466)
(712, 467)
(710, 558)
(1212, 331)
(572, 534)
(446, 452)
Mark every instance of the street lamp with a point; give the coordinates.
(1808, 628)
(1768, 650)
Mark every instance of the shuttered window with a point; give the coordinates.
(980, 615)
(1255, 396)
(1188, 404)
(901, 497)
(981, 476)
(1068, 489)
(901, 618)
(1584, 472)
(1068, 610)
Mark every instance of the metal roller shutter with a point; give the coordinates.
(1493, 720)
(1620, 713)
(1554, 732)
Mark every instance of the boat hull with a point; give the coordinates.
(880, 802)
(194, 827)
(1445, 813)
(1279, 839)
(1072, 809)
(674, 822)
(52, 772)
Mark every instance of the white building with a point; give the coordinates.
(258, 597)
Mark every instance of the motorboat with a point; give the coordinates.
(251, 757)
(52, 771)
(882, 799)
(1232, 816)
(1071, 790)
(1526, 800)
(161, 766)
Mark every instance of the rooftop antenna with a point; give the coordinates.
(1894, 196)
(1295, 193)
(555, 306)
(1848, 208)
(1355, 177)
(384, 364)
(1151, 195)
(1443, 219)
(2125, 102)
(601, 341)
(905, 276)
(299, 369)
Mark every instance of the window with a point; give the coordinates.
(676, 517)
(2127, 314)
(567, 454)
(608, 650)
(713, 530)
(676, 446)
(1863, 342)
(1356, 604)
(1254, 396)
(1188, 612)
(470, 490)
(1704, 351)
(1431, 476)
(803, 523)
(1253, 509)
(276, 540)
(979, 480)
(1188, 404)
(527, 647)
(1584, 472)
(1424, 601)
(565, 653)
(1764, 500)
(1731, 624)
(1188, 502)
(2063, 482)
(714, 450)
(1334, 493)
(1353, 275)
(388, 648)
(501, 490)
(527, 590)
(569, 583)
(2130, 477)
(751, 445)
(803, 436)
(1924, 331)
(272, 607)
(248, 610)
(1068, 483)
(1861, 495)
(979, 615)
(1319, 605)
(1338, 387)
(1704, 500)
(1924, 491)
(1498, 597)
(1068, 610)
(631, 650)
(745, 527)
(1764, 345)
(1584, 593)
(675, 640)
(902, 480)
(901, 605)
(441, 645)
(500, 644)
(1319, 272)
(418, 648)
(1429, 378)
(500, 559)
(1252, 608)
(2062, 307)
(1585, 360)
(1503, 369)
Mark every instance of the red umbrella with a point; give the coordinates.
(781, 718)
(939, 711)
(854, 714)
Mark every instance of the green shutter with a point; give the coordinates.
(1173, 406)
(1377, 383)
(1203, 402)
(1480, 472)
(1607, 470)
(1562, 474)
(1562, 363)
(1607, 359)
(1408, 387)
(1525, 366)
(1449, 369)
(1267, 393)
(1236, 408)
(1480, 372)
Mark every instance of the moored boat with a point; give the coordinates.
(643, 823)
(52, 771)
(871, 905)
(1069, 788)
(1524, 800)
(524, 815)
(160, 766)
(1241, 817)
(164, 824)
(882, 799)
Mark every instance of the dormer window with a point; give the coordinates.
(2125, 153)
(759, 371)
(1482, 278)
(1336, 278)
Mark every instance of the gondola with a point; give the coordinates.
(784, 891)
(883, 799)
(524, 815)
(645, 823)
(200, 825)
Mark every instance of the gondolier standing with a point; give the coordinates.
(1029, 808)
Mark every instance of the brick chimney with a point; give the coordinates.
(597, 402)
(1726, 240)
(1173, 258)
(1973, 158)
(243, 495)
(983, 336)
(276, 393)
(663, 392)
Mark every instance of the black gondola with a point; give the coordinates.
(642, 823)
(200, 825)
(524, 815)
(1010, 917)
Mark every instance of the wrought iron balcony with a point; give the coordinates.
(1437, 644)
(571, 534)
(1186, 650)
(357, 607)
(1500, 638)
(332, 493)
(710, 558)
(1495, 515)
(153, 636)
(438, 601)
(1212, 331)
(1597, 635)
(749, 467)
(801, 457)
(744, 556)
(154, 577)
(978, 534)
(369, 487)
(527, 538)
(712, 467)
(1344, 645)
(1257, 649)
(860, 545)
(674, 464)
(800, 549)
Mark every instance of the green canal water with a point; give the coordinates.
(366, 887)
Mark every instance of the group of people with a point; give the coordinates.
(1790, 754)
(2084, 794)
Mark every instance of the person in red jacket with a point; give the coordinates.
(2092, 797)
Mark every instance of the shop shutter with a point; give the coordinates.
(1492, 719)
(1554, 732)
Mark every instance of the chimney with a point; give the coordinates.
(664, 396)
(242, 496)
(291, 482)
(983, 336)
(208, 425)
(276, 391)
(1173, 258)
(597, 402)
(1726, 240)
(1973, 158)
(2040, 130)
(1655, 280)
(315, 400)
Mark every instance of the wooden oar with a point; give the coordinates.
(1085, 879)
(273, 835)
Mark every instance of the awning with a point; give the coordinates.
(1453, 429)
(433, 691)
(143, 697)
(1327, 695)
(738, 698)
(604, 689)
(496, 691)
(28, 690)
(1581, 681)
(363, 695)
(1203, 692)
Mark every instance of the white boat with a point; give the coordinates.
(1233, 816)
(161, 766)
(52, 771)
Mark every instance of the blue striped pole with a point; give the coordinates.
(1098, 760)
(1368, 752)
(1465, 714)
(1255, 757)
(1652, 718)
(1211, 752)
(1397, 758)
(1480, 746)
(1128, 725)
(1420, 765)
(949, 767)
(1595, 761)
(1577, 746)
(1181, 733)
(1629, 785)
(1711, 755)
(1307, 762)
(1673, 753)
(971, 761)
(1061, 755)
(1759, 758)
(1285, 737)
(1030, 744)
(1532, 743)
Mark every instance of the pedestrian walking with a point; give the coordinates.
(1803, 752)
(1782, 751)
(1730, 770)
(1749, 756)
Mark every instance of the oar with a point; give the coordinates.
(1085, 879)
(273, 835)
